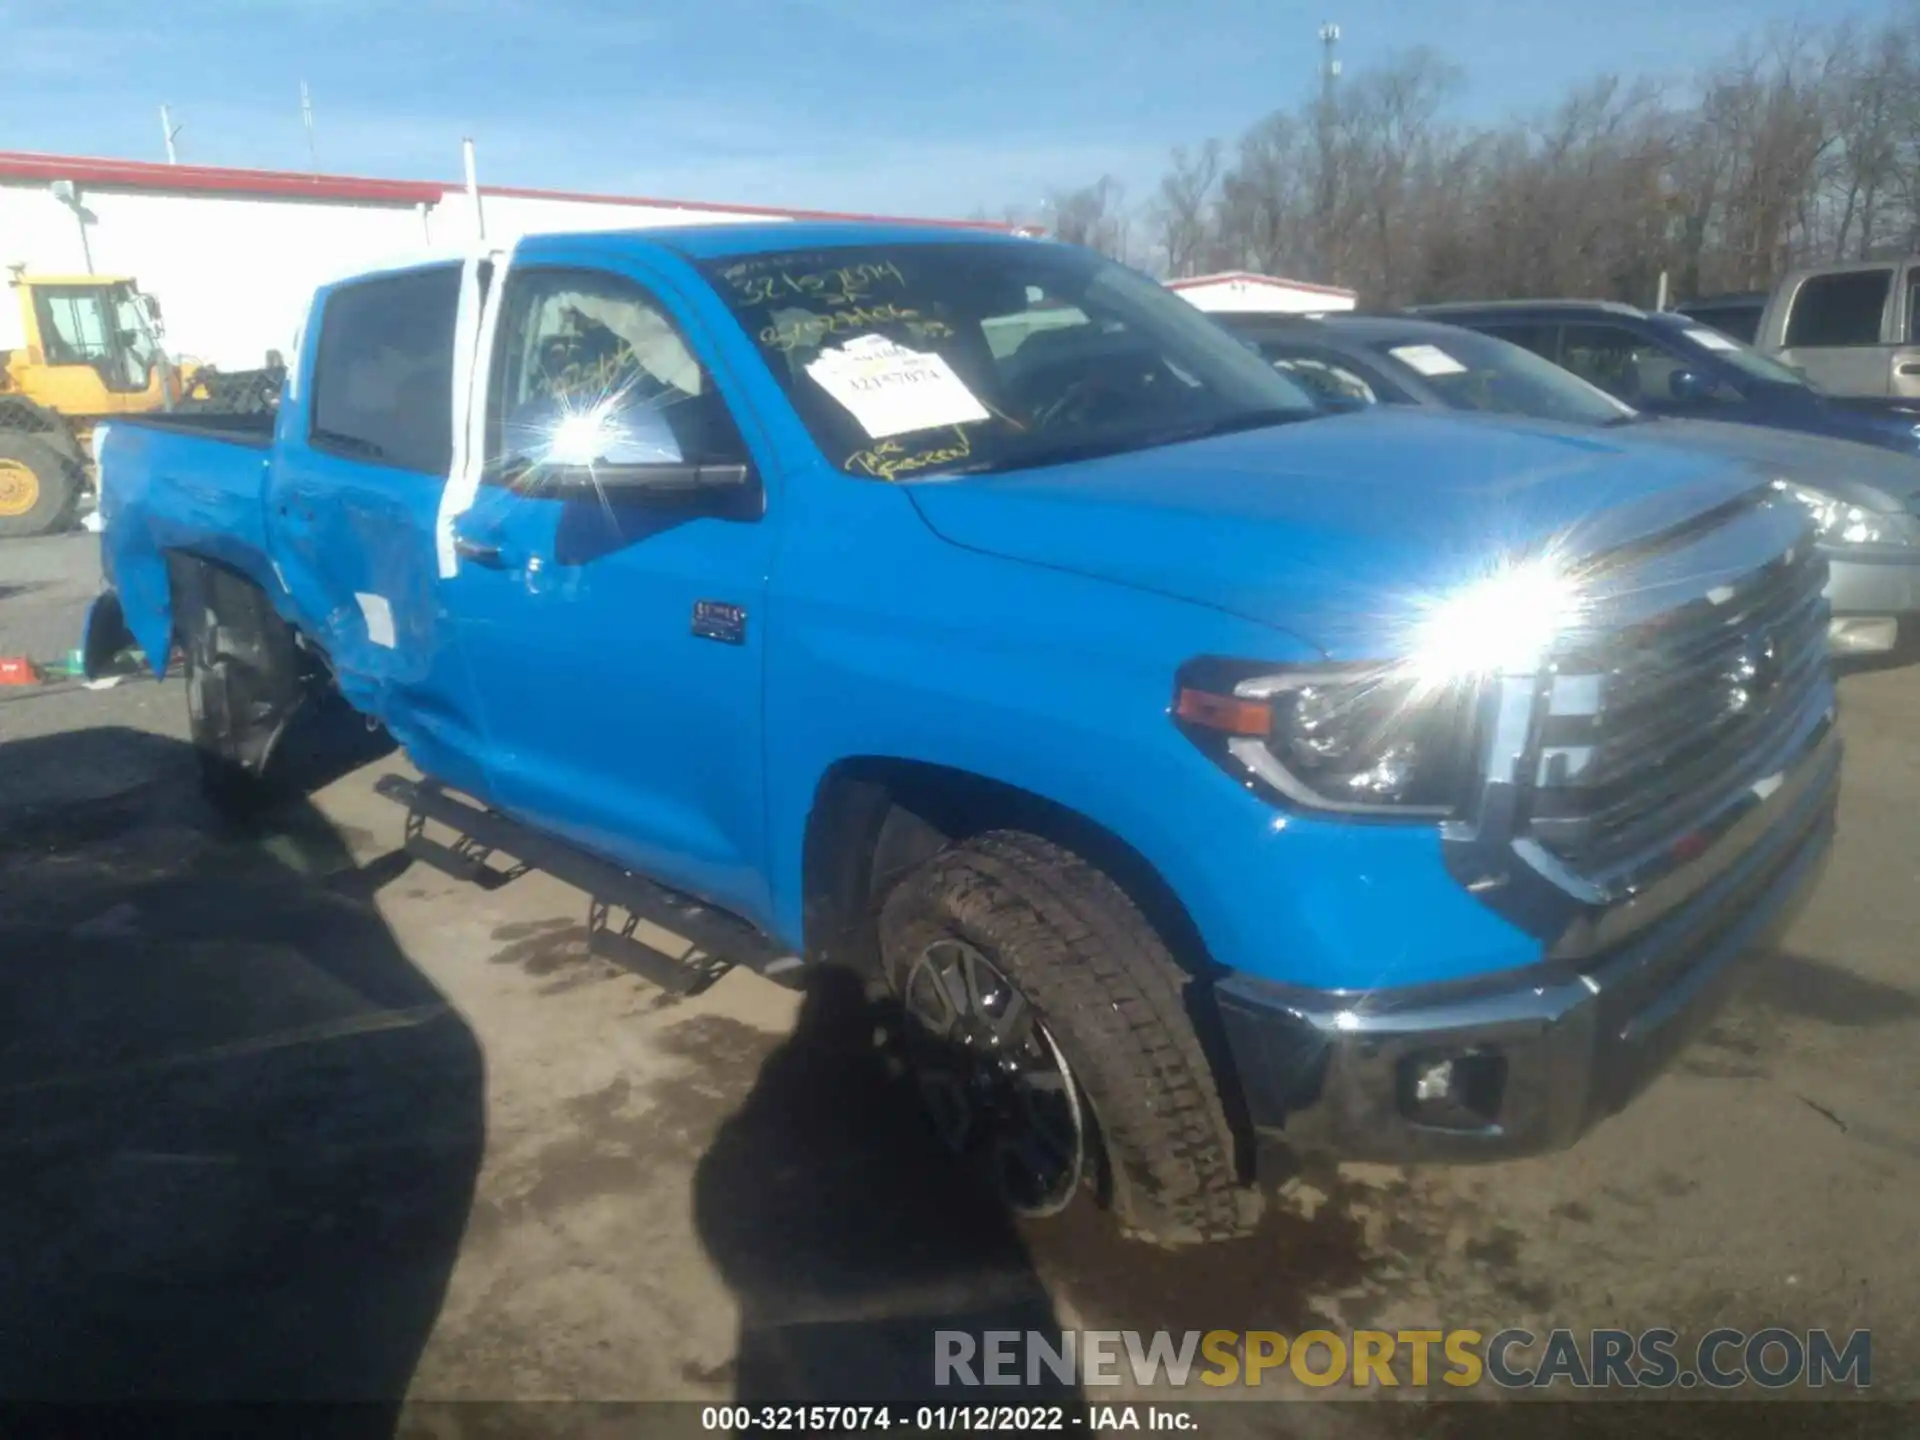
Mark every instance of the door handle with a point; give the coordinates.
(479, 551)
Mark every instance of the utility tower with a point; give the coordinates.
(1325, 180)
(1330, 61)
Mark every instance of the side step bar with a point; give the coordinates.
(619, 900)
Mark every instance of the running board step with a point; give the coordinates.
(619, 900)
(614, 942)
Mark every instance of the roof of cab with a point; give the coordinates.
(698, 243)
(720, 242)
(1363, 328)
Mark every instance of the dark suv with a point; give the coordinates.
(1669, 364)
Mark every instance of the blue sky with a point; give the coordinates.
(931, 107)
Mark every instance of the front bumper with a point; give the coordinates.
(1875, 600)
(1534, 1058)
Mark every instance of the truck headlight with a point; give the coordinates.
(1840, 522)
(1360, 740)
(1401, 738)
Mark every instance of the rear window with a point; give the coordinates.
(1739, 320)
(383, 382)
(1839, 309)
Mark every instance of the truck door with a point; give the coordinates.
(614, 637)
(1838, 332)
(365, 448)
(1906, 358)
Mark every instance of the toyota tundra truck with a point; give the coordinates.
(1203, 777)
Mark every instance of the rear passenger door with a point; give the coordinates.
(1838, 331)
(365, 448)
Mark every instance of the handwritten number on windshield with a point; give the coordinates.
(890, 459)
(840, 286)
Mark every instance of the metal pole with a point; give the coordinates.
(168, 130)
(1323, 199)
(473, 191)
(306, 119)
(86, 247)
(1660, 300)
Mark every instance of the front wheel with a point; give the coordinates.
(1044, 1021)
(39, 486)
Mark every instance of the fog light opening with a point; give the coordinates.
(1453, 1090)
(1863, 634)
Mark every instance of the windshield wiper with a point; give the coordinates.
(1233, 424)
(1123, 444)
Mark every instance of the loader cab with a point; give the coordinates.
(91, 346)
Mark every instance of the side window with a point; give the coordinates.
(73, 325)
(1913, 305)
(1742, 322)
(1537, 338)
(1627, 366)
(383, 379)
(1841, 309)
(590, 368)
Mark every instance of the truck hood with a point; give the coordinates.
(1888, 422)
(1336, 529)
(1862, 474)
(1891, 421)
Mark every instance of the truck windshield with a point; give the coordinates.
(137, 342)
(1471, 371)
(909, 362)
(1726, 349)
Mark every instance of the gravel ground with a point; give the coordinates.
(283, 1116)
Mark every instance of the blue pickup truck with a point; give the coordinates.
(1200, 774)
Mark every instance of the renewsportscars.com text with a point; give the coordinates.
(1721, 1359)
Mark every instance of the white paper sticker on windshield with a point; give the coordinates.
(1712, 339)
(1427, 359)
(892, 390)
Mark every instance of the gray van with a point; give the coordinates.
(1851, 329)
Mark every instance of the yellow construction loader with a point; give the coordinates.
(76, 350)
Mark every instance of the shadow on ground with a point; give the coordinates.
(849, 1234)
(240, 1130)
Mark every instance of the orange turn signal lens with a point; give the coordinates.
(1228, 714)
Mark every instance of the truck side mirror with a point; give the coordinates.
(1689, 385)
(662, 478)
(725, 490)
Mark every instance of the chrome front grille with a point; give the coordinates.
(1646, 732)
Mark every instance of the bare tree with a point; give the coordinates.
(1093, 215)
(1265, 210)
(1180, 212)
(1803, 142)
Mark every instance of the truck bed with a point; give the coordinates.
(186, 483)
(255, 431)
